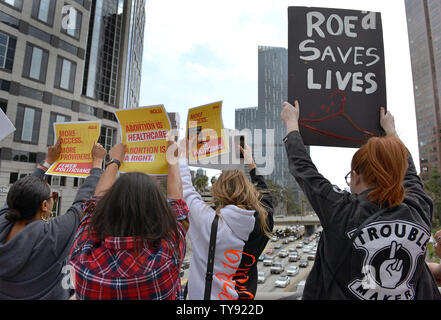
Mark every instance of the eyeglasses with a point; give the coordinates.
(348, 178)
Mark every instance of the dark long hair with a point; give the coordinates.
(135, 206)
(25, 198)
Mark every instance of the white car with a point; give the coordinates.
(292, 271)
(283, 253)
(268, 262)
(282, 281)
(277, 268)
(261, 277)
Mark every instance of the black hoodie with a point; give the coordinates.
(386, 260)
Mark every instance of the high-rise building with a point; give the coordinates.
(71, 60)
(272, 92)
(424, 27)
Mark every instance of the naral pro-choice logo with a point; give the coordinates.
(392, 250)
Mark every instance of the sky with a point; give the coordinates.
(202, 51)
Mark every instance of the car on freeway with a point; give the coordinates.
(268, 261)
(283, 253)
(277, 267)
(292, 271)
(293, 257)
(274, 239)
(291, 239)
(269, 252)
(311, 256)
(299, 245)
(277, 246)
(261, 277)
(186, 263)
(303, 263)
(261, 258)
(282, 282)
(292, 250)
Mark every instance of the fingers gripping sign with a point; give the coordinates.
(391, 270)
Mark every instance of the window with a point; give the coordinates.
(71, 21)
(78, 182)
(43, 10)
(65, 74)
(7, 51)
(18, 4)
(3, 105)
(56, 181)
(24, 156)
(27, 124)
(35, 64)
(13, 177)
(107, 138)
(54, 117)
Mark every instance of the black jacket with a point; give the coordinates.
(386, 261)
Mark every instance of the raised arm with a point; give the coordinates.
(411, 182)
(258, 179)
(106, 181)
(174, 184)
(322, 195)
(63, 227)
(194, 201)
(53, 153)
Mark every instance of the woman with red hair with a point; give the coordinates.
(374, 238)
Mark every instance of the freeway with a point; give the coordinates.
(269, 285)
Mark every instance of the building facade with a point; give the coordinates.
(62, 61)
(272, 92)
(424, 28)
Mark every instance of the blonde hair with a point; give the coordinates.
(233, 188)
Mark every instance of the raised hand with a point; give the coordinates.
(387, 121)
(118, 152)
(290, 116)
(53, 153)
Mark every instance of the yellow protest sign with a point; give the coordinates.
(206, 122)
(144, 131)
(77, 140)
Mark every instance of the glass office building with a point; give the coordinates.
(63, 61)
(272, 92)
(424, 27)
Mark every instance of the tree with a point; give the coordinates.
(200, 183)
(213, 180)
(433, 186)
(283, 196)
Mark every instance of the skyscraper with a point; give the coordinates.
(424, 27)
(272, 92)
(60, 61)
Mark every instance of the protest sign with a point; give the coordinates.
(144, 131)
(77, 140)
(206, 122)
(6, 126)
(336, 72)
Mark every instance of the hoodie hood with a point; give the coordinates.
(240, 221)
(18, 251)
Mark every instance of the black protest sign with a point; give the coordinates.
(336, 72)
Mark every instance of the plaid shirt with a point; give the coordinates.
(111, 268)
